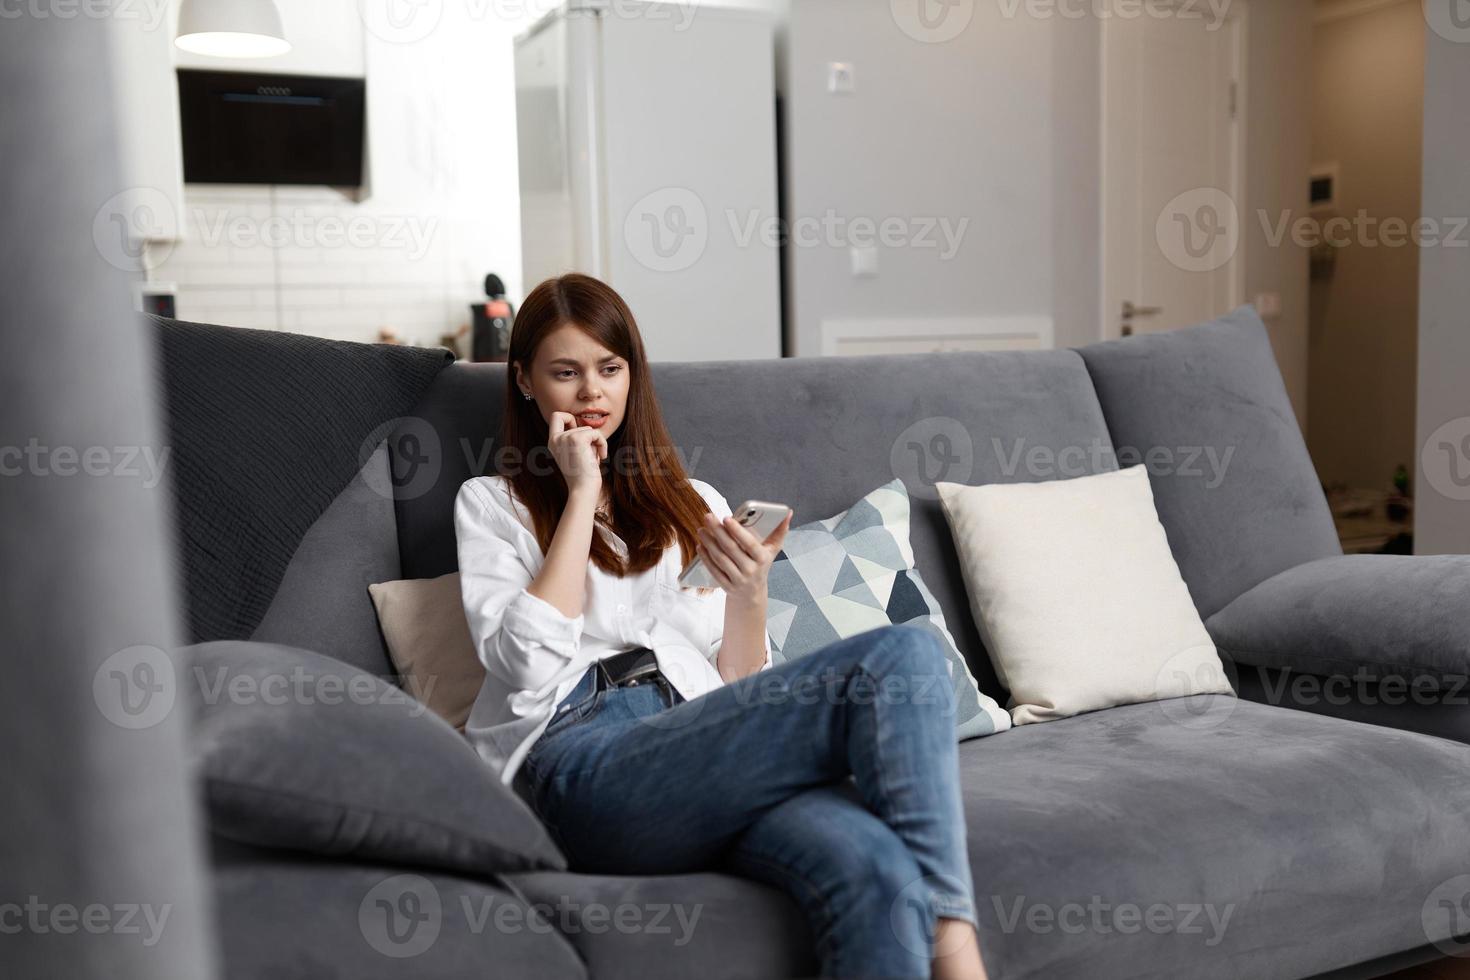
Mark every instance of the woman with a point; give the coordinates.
(654, 734)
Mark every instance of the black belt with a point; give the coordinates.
(628, 669)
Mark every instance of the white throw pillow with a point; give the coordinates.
(1077, 595)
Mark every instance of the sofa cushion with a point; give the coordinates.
(296, 750)
(322, 603)
(1263, 842)
(295, 917)
(854, 572)
(1206, 411)
(1367, 617)
(429, 640)
(708, 924)
(814, 433)
(1077, 595)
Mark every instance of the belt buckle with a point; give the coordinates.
(616, 676)
(636, 677)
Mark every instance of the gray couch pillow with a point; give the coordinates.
(299, 751)
(1368, 616)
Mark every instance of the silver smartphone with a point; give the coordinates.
(759, 517)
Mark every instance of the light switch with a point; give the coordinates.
(840, 77)
(864, 261)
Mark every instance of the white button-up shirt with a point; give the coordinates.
(534, 654)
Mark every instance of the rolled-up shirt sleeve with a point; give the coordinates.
(521, 639)
(714, 650)
(715, 609)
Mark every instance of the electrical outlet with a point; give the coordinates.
(841, 78)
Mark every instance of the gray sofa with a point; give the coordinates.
(1203, 837)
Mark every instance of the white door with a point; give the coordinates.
(1173, 110)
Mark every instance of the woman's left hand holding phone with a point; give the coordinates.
(736, 559)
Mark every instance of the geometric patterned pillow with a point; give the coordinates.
(855, 572)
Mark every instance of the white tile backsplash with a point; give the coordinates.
(328, 267)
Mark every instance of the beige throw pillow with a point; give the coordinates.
(1077, 595)
(429, 641)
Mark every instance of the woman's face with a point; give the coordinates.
(575, 374)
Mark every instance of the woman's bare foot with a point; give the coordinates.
(956, 952)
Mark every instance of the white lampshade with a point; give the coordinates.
(231, 28)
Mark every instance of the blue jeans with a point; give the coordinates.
(834, 777)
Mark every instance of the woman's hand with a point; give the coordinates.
(578, 450)
(736, 560)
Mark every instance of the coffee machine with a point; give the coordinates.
(493, 318)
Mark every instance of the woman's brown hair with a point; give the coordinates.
(652, 502)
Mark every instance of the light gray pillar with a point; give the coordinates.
(100, 871)
(1442, 486)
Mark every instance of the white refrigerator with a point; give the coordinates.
(646, 138)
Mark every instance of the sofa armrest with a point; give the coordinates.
(1369, 617)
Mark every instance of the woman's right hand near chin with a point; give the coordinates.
(579, 451)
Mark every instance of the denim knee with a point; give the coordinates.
(908, 650)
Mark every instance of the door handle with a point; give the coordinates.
(1130, 311)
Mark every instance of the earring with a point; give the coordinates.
(527, 394)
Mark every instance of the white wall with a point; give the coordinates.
(957, 131)
(1442, 496)
(441, 205)
(1001, 124)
